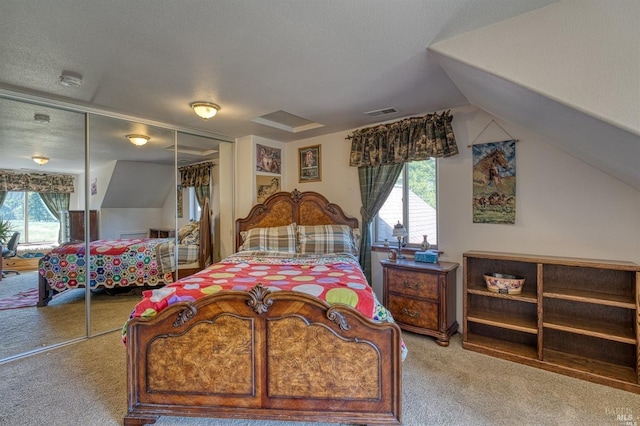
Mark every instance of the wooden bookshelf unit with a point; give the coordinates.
(578, 317)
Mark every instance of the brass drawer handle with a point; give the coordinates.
(413, 286)
(411, 314)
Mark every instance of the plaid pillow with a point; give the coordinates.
(326, 239)
(277, 238)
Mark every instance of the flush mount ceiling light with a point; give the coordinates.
(71, 79)
(41, 118)
(138, 140)
(205, 110)
(40, 160)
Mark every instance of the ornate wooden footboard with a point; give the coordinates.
(263, 355)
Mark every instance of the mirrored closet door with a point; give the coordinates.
(42, 164)
(132, 197)
(125, 174)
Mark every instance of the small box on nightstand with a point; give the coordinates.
(429, 256)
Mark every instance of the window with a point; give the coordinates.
(38, 225)
(194, 207)
(413, 204)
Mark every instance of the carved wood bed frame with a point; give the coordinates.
(266, 355)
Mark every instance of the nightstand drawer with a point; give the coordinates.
(412, 283)
(414, 312)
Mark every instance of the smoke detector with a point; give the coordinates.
(71, 79)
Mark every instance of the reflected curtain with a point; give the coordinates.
(199, 177)
(411, 139)
(56, 203)
(376, 183)
(36, 182)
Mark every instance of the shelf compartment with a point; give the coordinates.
(523, 297)
(605, 322)
(590, 284)
(590, 354)
(477, 267)
(591, 366)
(591, 297)
(502, 313)
(502, 340)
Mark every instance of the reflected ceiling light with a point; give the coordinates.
(138, 140)
(40, 160)
(205, 110)
(71, 79)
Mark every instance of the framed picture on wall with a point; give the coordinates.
(265, 186)
(309, 164)
(268, 159)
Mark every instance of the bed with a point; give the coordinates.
(118, 263)
(141, 262)
(254, 346)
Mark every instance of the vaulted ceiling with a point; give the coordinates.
(568, 71)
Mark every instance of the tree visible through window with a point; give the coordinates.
(414, 205)
(38, 225)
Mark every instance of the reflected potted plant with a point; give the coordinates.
(6, 231)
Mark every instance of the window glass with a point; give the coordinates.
(38, 225)
(194, 207)
(413, 204)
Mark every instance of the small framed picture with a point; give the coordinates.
(265, 186)
(309, 164)
(268, 159)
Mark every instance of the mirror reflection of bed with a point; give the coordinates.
(132, 189)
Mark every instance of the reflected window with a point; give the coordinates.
(194, 207)
(28, 215)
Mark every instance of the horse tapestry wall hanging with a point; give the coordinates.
(494, 182)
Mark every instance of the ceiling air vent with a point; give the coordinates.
(380, 112)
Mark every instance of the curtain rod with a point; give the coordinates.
(443, 114)
(200, 162)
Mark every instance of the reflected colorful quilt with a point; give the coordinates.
(119, 263)
(334, 278)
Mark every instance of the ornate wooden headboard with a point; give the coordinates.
(303, 208)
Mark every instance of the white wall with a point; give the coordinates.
(114, 221)
(564, 206)
(246, 171)
(224, 240)
(339, 181)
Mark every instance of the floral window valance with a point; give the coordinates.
(36, 182)
(195, 175)
(411, 139)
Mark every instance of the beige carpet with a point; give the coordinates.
(85, 384)
(29, 328)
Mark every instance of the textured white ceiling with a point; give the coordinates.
(330, 61)
(326, 61)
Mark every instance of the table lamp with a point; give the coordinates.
(399, 231)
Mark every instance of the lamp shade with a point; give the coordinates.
(399, 230)
(205, 110)
(138, 140)
(40, 160)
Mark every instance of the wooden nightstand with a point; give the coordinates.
(422, 297)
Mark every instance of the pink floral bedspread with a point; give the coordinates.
(334, 278)
(118, 263)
